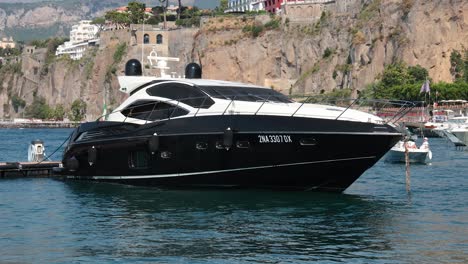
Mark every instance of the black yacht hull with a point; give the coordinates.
(229, 151)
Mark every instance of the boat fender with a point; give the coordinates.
(228, 138)
(92, 156)
(153, 143)
(72, 164)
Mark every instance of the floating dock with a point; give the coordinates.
(28, 169)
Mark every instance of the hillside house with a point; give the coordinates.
(82, 36)
(7, 43)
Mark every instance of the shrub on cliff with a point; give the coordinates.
(253, 30)
(399, 81)
(17, 103)
(273, 24)
(459, 66)
(77, 110)
(38, 109)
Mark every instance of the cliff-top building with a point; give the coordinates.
(245, 5)
(7, 43)
(81, 36)
(275, 6)
(272, 6)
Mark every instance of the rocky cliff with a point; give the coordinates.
(93, 79)
(342, 44)
(339, 44)
(28, 21)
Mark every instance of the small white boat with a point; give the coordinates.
(422, 154)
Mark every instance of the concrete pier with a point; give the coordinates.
(28, 169)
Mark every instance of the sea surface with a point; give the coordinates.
(374, 221)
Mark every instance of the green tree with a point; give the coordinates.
(418, 73)
(398, 81)
(6, 52)
(136, 12)
(99, 21)
(38, 109)
(223, 6)
(154, 20)
(77, 110)
(164, 4)
(117, 17)
(395, 74)
(58, 113)
(17, 103)
(179, 10)
(456, 65)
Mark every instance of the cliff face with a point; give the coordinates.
(63, 81)
(367, 36)
(343, 44)
(28, 21)
(92, 79)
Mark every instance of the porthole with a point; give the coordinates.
(219, 145)
(308, 142)
(242, 144)
(202, 145)
(166, 154)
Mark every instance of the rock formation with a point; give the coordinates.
(345, 45)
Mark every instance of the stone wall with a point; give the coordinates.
(307, 11)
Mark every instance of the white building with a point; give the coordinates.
(7, 43)
(81, 36)
(245, 5)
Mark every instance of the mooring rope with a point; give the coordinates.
(55, 149)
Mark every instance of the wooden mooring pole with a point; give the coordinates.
(408, 174)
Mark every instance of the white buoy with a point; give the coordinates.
(36, 151)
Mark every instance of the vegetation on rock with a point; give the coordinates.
(77, 110)
(398, 81)
(40, 109)
(459, 66)
(17, 103)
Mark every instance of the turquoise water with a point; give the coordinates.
(374, 221)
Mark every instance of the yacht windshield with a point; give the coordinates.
(181, 92)
(249, 94)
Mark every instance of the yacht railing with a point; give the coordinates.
(391, 111)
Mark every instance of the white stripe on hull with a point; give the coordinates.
(212, 172)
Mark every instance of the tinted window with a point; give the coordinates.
(152, 110)
(245, 94)
(181, 92)
(146, 85)
(138, 160)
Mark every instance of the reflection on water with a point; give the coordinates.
(232, 225)
(375, 221)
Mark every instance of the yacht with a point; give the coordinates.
(460, 130)
(407, 151)
(455, 129)
(197, 133)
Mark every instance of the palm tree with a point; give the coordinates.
(179, 9)
(164, 4)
